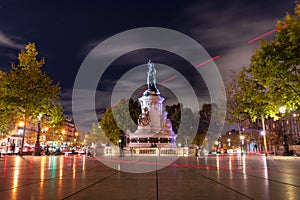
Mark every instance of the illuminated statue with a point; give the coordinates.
(151, 79)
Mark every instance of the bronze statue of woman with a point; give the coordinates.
(151, 78)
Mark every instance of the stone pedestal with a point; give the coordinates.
(158, 132)
(154, 104)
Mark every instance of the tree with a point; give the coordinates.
(29, 92)
(54, 120)
(109, 126)
(256, 99)
(191, 133)
(96, 136)
(276, 64)
(188, 126)
(211, 123)
(121, 117)
(134, 111)
(174, 114)
(6, 117)
(126, 114)
(272, 79)
(235, 109)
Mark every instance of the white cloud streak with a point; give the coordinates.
(9, 42)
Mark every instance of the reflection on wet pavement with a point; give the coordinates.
(212, 177)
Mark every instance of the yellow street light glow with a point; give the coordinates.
(46, 129)
(282, 109)
(76, 134)
(63, 131)
(242, 137)
(21, 124)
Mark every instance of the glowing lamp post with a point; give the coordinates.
(21, 124)
(263, 133)
(285, 143)
(228, 141)
(217, 145)
(46, 129)
(75, 139)
(37, 149)
(242, 143)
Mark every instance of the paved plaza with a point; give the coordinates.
(211, 177)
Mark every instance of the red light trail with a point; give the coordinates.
(175, 76)
(172, 77)
(168, 79)
(266, 34)
(207, 61)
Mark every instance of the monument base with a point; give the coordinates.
(145, 138)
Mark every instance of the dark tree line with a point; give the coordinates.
(190, 126)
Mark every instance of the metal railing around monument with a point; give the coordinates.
(151, 151)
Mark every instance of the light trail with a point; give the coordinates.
(168, 79)
(266, 34)
(141, 92)
(207, 61)
(175, 76)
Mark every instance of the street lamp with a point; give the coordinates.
(228, 140)
(76, 134)
(21, 124)
(285, 143)
(263, 133)
(216, 144)
(37, 149)
(46, 129)
(242, 143)
(75, 138)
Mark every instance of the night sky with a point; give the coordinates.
(66, 31)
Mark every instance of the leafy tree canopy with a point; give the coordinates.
(272, 79)
(275, 65)
(121, 117)
(27, 91)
